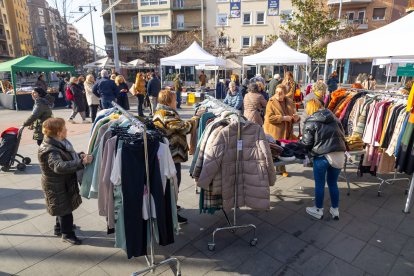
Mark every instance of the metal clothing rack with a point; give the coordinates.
(233, 226)
(151, 260)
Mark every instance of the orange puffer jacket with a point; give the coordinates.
(336, 96)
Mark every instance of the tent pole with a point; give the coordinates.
(306, 74)
(388, 75)
(161, 75)
(325, 71)
(13, 79)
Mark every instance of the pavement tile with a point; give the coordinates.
(388, 219)
(374, 260)
(408, 250)
(44, 222)
(345, 247)
(389, 240)
(118, 264)
(284, 247)
(258, 265)
(344, 219)
(20, 233)
(197, 264)
(42, 268)
(395, 203)
(11, 261)
(297, 223)
(36, 250)
(286, 271)
(402, 267)
(234, 255)
(95, 271)
(338, 267)
(362, 230)
(406, 226)
(362, 210)
(275, 215)
(265, 234)
(310, 260)
(319, 235)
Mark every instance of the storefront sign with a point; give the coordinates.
(235, 8)
(407, 71)
(273, 7)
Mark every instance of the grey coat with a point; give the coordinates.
(59, 179)
(41, 112)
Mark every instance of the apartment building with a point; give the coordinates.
(4, 49)
(140, 23)
(16, 23)
(45, 26)
(73, 33)
(367, 15)
(250, 22)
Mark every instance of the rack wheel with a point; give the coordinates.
(253, 242)
(178, 274)
(379, 194)
(26, 160)
(406, 192)
(211, 247)
(5, 169)
(21, 167)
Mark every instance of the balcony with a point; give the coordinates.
(184, 26)
(121, 29)
(123, 8)
(345, 2)
(180, 5)
(360, 24)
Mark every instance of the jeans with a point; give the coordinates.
(324, 172)
(141, 99)
(39, 142)
(106, 103)
(74, 113)
(178, 93)
(94, 109)
(153, 101)
(178, 169)
(66, 224)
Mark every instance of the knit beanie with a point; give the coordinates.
(42, 93)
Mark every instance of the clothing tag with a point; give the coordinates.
(239, 145)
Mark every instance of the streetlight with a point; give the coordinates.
(91, 9)
(111, 8)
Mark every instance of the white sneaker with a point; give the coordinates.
(315, 212)
(335, 213)
(71, 121)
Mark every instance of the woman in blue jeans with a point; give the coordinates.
(324, 137)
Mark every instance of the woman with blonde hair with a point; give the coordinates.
(91, 98)
(323, 137)
(279, 118)
(122, 98)
(168, 120)
(139, 90)
(291, 85)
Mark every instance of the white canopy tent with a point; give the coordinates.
(386, 61)
(393, 42)
(105, 63)
(140, 63)
(194, 55)
(279, 53)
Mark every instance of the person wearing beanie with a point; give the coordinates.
(41, 112)
(318, 92)
(271, 87)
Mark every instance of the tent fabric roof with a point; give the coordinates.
(278, 53)
(137, 62)
(105, 62)
(193, 56)
(385, 61)
(393, 40)
(32, 63)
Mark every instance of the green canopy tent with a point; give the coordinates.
(31, 64)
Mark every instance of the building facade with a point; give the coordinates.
(140, 23)
(45, 26)
(367, 15)
(73, 33)
(16, 23)
(242, 28)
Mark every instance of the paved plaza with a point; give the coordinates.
(372, 237)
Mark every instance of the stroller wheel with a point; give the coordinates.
(5, 169)
(21, 167)
(26, 160)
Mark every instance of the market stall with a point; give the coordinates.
(106, 63)
(193, 56)
(21, 99)
(279, 53)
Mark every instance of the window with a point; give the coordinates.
(222, 1)
(8, 34)
(40, 11)
(260, 39)
(134, 1)
(285, 13)
(378, 14)
(245, 42)
(150, 20)
(42, 20)
(5, 18)
(152, 2)
(11, 49)
(247, 18)
(222, 19)
(134, 21)
(155, 39)
(223, 41)
(361, 17)
(350, 16)
(260, 18)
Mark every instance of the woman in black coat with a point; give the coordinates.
(122, 98)
(59, 164)
(79, 103)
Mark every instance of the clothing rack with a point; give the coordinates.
(232, 226)
(378, 92)
(150, 261)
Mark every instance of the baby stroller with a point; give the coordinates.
(9, 145)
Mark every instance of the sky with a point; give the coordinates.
(84, 25)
